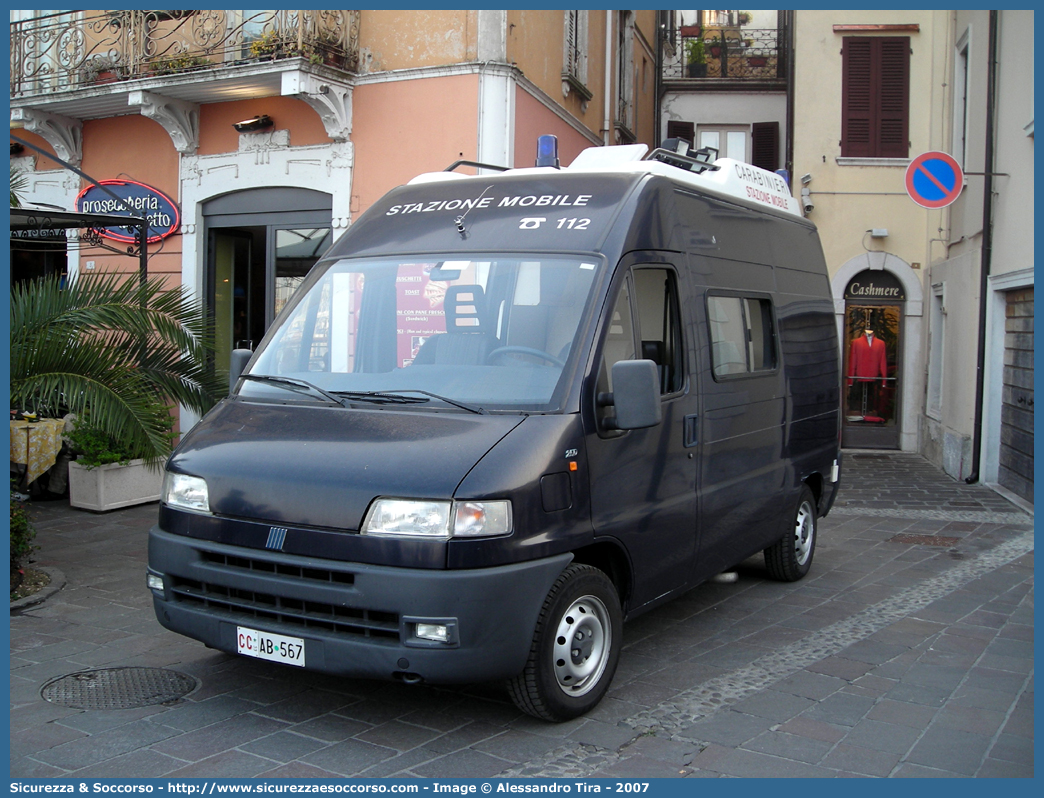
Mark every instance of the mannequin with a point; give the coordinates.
(868, 365)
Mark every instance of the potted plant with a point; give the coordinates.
(695, 58)
(757, 60)
(102, 69)
(267, 46)
(743, 18)
(324, 48)
(715, 47)
(179, 63)
(106, 348)
(105, 475)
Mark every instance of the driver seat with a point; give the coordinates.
(466, 341)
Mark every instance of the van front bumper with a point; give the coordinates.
(356, 620)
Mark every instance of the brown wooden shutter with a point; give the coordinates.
(856, 93)
(893, 98)
(875, 97)
(682, 130)
(764, 145)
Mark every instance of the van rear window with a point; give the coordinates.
(742, 336)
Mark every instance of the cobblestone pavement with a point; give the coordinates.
(907, 651)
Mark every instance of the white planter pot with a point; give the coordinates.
(109, 487)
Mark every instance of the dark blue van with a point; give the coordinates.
(503, 414)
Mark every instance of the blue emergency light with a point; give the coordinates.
(547, 151)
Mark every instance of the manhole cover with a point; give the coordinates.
(118, 688)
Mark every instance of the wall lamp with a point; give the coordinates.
(257, 123)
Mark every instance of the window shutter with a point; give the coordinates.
(875, 97)
(856, 93)
(682, 130)
(764, 145)
(570, 43)
(893, 98)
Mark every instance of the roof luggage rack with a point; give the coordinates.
(677, 152)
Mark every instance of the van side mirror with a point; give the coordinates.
(240, 357)
(636, 394)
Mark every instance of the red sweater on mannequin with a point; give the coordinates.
(867, 360)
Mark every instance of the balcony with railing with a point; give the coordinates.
(73, 51)
(726, 57)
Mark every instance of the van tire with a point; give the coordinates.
(578, 636)
(789, 558)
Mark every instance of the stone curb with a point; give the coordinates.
(56, 584)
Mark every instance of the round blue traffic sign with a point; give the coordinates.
(934, 180)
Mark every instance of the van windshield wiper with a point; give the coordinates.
(293, 384)
(398, 397)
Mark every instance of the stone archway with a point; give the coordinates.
(913, 333)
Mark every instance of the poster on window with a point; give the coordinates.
(419, 305)
(871, 364)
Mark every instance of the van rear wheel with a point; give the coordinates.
(789, 558)
(575, 647)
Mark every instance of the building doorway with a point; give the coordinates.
(872, 346)
(260, 245)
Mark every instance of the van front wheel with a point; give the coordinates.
(575, 647)
(791, 556)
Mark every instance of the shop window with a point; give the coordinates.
(875, 97)
(742, 336)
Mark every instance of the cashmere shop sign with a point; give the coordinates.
(869, 285)
(145, 201)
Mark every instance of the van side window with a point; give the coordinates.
(619, 341)
(656, 297)
(741, 332)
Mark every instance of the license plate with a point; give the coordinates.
(265, 645)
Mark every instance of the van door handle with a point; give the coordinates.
(690, 430)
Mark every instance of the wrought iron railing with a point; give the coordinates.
(72, 50)
(735, 53)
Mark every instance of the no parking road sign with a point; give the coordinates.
(934, 180)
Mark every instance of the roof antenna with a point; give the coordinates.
(459, 221)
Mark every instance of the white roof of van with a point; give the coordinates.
(725, 176)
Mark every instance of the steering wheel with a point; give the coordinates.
(524, 350)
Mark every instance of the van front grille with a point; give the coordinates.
(246, 605)
(283, 569)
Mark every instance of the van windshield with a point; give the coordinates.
(489, 334)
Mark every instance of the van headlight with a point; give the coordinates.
(437, 519)
(185, 492)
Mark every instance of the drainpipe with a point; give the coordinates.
(788, 43)
(658, 78)
(987, 245)
(608, 76)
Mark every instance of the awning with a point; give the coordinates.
(42, 223)
(46, 223)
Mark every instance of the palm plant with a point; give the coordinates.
(115, 349)
(19, 184)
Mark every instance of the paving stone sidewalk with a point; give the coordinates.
(907, 651)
